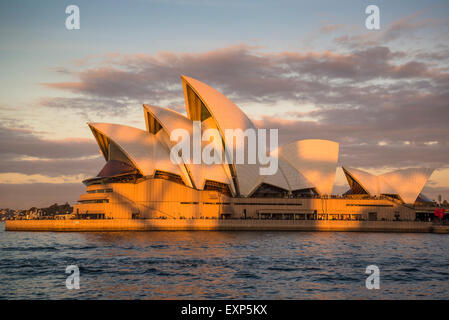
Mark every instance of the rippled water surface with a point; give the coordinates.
(223, 265)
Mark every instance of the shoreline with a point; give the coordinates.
(223, 225)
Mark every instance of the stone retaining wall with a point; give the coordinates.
(218, 225)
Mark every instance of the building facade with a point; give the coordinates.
(140, 180)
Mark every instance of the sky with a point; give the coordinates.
(309, 69)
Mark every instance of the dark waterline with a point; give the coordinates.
(223, 265)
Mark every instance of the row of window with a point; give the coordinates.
(308, 216)
(100, 191)
(224, 203)
(368, 205)
(266, 204)
(94, 201)
(249, 203)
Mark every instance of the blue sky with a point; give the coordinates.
(34, 38)
(54, 80)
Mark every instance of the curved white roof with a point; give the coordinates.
(278, 179)
(295, 180)
(216, 171)
(286, 177)
(406, 183)
(143, 149)
(315, 159)
(171, 120)
(366, 180)
(226, 115)
(302, 164)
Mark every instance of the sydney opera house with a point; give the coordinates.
(140, 181)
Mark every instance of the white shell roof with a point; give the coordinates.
(286, 177)
(368, 181)
(143, 149)
(217, 171)
(278, 179)
(315, 159)
(407, 183)
(171, 120)
(227, 116)
(295, 179)
(302, 164)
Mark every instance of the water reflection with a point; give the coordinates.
(217, 265)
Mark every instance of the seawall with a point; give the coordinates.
(221, 225)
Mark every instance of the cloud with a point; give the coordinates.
(89, 107)
(434, 55)
(24, 196)
(404, 28)
(19, 178)
(433, 192)
(28, 158)
(19, 143)
(329, 28)
(244, 73)
(53, 167)
(359, 97)
(359, 142)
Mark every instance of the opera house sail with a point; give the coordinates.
(140, 180)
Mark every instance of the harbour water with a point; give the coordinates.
(223, 265)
